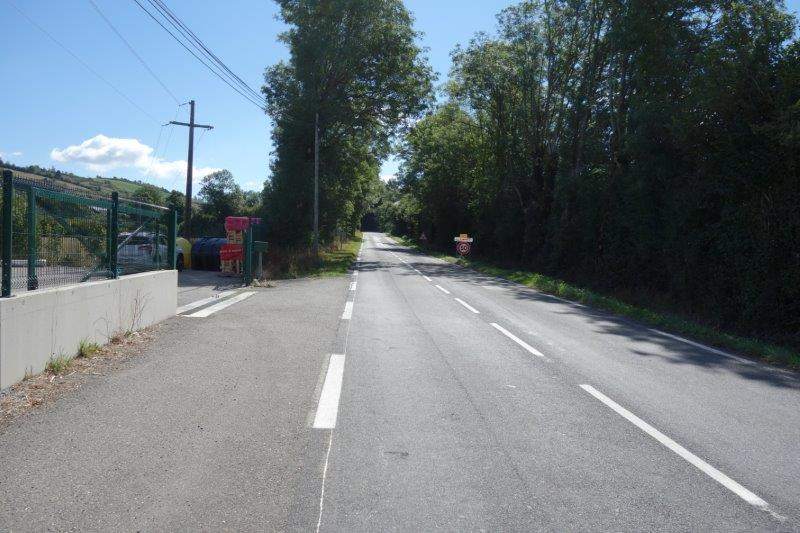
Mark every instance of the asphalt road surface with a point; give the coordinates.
(411, 395)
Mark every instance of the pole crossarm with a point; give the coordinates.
(204, 126)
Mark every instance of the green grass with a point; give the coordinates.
(334, 260)
(87, 348)
(58, 365)
(764, 351)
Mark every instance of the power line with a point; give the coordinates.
(82, 62)
(208, 52)
(155, 150)
(198, 45)
(130, 47)
(257, 102)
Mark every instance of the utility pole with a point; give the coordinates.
(316, 186)
(187, 210)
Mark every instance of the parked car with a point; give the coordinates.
(140, 252)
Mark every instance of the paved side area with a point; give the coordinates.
(205, 431)
(194, 285)
(410, 395)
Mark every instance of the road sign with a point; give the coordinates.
(231, 252)
(463, 238)
(463, 248)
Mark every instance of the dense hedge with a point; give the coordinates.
(644, 148)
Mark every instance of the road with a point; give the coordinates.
(411, 395)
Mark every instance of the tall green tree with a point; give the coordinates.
(354, 64)
(646, 147)
(221, 197)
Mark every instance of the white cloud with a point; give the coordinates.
(388, 177)
(253, 185)
(12, 154)
(102, 154)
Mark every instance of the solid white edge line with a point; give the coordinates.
(348, 311)
(355, 272)
(710, 349)
(204, 301)
(426, 278)
(352, 285)
(210, 310)
(442, 289)
(324, 476)
(516, 339)
(465, 304)
(328, 407)
(673, 446)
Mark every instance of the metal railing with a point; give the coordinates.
(51, 236)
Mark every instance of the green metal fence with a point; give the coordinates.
(51, 236)
(253, 257)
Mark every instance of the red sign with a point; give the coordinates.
(463, 248)
(231, 252)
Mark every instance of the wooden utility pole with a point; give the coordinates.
(316, 186)
(187, 210)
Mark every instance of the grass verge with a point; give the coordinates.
(58, 365)
(64, 374)
(764, 351)
(87, 348)
(334, 260)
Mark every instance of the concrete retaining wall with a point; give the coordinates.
(49, 323)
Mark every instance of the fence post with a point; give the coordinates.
(248, 256)
(112, 239)
(109, 241)
(33, 280)
(172, 229)
(8, 200)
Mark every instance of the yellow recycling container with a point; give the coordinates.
(183, 249)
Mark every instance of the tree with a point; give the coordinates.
(643, 148)
(221, 197)
(176, 201)
(148, 194)
(355, 64)
(442, 170)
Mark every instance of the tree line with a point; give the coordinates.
(644, 148)
(219, 197)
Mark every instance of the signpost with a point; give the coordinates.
(463, 244)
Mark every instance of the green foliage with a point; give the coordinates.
(58, 365)
(176, 201)
(82, 185)
(221, 197)
(637, 147)
(87, 348)
(149, 194)
(335, 259)
(355, 64)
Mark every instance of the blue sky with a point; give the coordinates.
(55, 112)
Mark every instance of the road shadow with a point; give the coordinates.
(669, 349)
(188, 279)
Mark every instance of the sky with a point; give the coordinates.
(107, 119)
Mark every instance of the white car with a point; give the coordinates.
(139, 252)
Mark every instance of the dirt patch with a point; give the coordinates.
(46, 388)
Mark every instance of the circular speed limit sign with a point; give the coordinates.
(463, 248)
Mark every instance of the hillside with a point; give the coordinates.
(80, 184)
